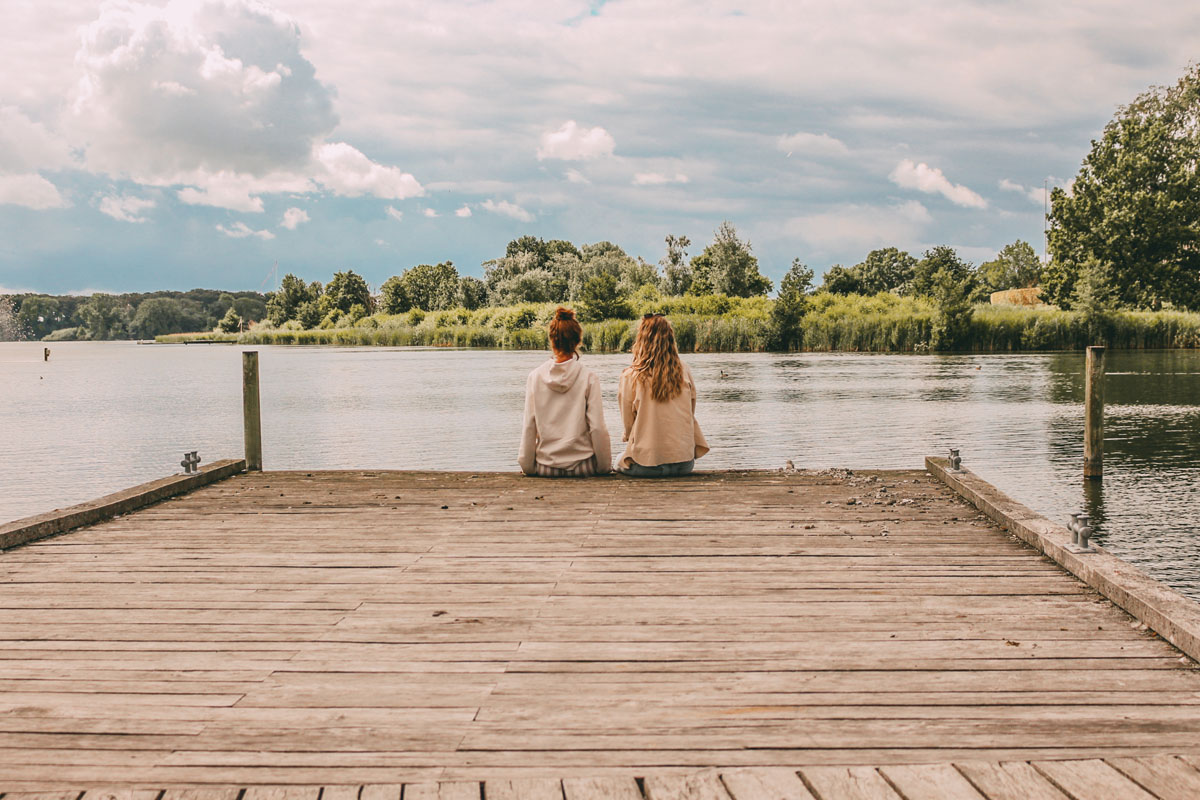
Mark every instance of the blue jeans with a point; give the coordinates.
(636, 470)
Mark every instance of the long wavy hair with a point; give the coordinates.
(656, 358)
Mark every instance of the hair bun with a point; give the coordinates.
(564, 313)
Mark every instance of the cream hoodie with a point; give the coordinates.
(564, 419)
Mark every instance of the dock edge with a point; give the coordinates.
(52, 523)
(1165, 611)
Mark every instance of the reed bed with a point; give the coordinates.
(717, 324)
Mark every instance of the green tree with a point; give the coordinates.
(1135, 204)
(885, 270)
(677, 272)
(156, 316)
(952, 294)
(39, 315)
(1016, 266)
(790, 307)
(348, 289)
(393, 296)
(729, 266)
(529, 286)
(103, 317)
(602, 299)
(231, 322)
(530, 245)
(941, 259)
(284, 304)
(472, 293)
(842, 280)
(1094, 298)
(430, 287)
(250, 309)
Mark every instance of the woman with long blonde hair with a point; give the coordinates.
(657, 397)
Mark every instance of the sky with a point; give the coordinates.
(181, 144)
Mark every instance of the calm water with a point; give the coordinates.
(103, 416)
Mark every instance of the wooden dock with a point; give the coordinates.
(726, 635)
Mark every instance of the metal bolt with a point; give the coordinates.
(191, 462)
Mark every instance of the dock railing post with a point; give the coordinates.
(251, 418)
(1093, 403)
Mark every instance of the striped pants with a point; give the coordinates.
(584, 469)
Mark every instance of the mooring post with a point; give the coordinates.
(1093, 403)
(251, 417)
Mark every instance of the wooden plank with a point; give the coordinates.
(765, 784)
(523, 789)
(1091, 778)
(1168, 777)
(941, 781)
(282, 793)
(446, 790)
(202, 793)
(381, 791)
(1012, 780)
(848, 783)
(696, 786)
(607, 788)
(344, 792)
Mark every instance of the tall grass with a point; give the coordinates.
(879, 323)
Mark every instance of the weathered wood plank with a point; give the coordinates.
(1165, 776)
(850, 783)
(941, 781)
(614, 788)
(696, 786)
(1012, 780)
(523, 789)
(1091, 778)
(765, 784)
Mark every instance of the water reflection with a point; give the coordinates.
(102, 416)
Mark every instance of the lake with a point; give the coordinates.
(102, 416)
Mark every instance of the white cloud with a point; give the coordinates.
(32, 191)
(1036, 194)
(575, 176)
(573, 143)
(859, 228)
(429, 212)
(348, 172)
(465, 211)
(240, 230)
(812, 144)
(658, 178)
(394, 213)
(27, 146)
(930, 180)
(507, 209)
(293, 218)
(125, 207)
(216, 98)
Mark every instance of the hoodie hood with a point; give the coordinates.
(561, 376)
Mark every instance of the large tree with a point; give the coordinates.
(885, 270)
(1135, 204)
(790, 307)
(429, 287)
(941, 259)
(1014, 267)
(293, 293)
(728, 266)
(348, 289)
(677, 273)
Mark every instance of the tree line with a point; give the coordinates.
(127, 316)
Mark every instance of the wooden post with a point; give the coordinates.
(251, 418)
(1093, 403)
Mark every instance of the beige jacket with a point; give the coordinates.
(564, 418)
(659, 433)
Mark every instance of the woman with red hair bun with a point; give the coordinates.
(564, 434)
